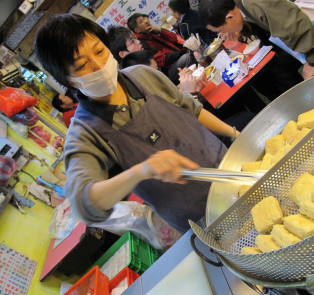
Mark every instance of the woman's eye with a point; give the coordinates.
(100, 51)
(80, 67)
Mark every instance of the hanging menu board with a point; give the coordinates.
(120, 10)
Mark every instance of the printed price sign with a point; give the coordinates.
(119, 12)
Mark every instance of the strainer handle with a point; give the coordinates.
(201, 255)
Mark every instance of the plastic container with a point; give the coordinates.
(128, 251)
(122, 280)
(252, 48)
(92, 283)
(7, 169)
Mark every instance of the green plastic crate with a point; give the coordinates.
(141, 254)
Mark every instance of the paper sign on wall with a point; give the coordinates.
(120, 10)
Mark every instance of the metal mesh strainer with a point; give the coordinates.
(234, 229)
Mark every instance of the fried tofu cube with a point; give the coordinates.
(283, 151)
(307, 208)
(250, 250)
(302, 188)
(251, 166)
(267, 162)
(243, 189)
(290, 132)
(282, 237)
(266, 213)
(306, 119)
(300, 225)
(274, 144)
(300, 135)
(266, 243)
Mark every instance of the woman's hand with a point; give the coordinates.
(189, 83)
(308, 71)
(202, 81)
(166, 166)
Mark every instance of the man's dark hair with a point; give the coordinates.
(142, 57)
(118, 36)
(180, 6)
(132, 21)
(214, 12)
(57, 102)
(58, 40)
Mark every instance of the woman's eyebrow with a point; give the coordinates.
(79, 56)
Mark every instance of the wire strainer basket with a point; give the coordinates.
(235, 229)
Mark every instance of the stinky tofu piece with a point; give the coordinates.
(250, 250)
(290, 132)
(306, 119)
(300, 135)
(242, 189)
(283, 151)
(251, 166)
(300, 225)
(266, 213)
(302, 188)
(274, 144)
(266, 243)
(282, 237)
(307, 208)
(266, 162)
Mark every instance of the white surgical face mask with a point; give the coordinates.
(101, 83)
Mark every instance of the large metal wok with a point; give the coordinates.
(250, 145)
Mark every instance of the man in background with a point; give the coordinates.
(169, 53)
(189, 21)
(122, 42)
(65, 104)
(281, 18)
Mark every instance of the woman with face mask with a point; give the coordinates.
(133, 129)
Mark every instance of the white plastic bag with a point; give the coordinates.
(63, 220)
(140, 220)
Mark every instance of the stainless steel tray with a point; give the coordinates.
(249, 146)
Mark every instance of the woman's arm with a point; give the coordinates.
(163, 165)
(215, 125)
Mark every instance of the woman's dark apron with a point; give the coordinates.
(161, 125)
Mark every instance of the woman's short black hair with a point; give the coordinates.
(214, 12)
(58, 40)
(118, 36)
(180, 6)
(142, 57)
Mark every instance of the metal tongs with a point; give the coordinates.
(217, 175)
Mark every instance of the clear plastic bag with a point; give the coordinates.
(142, 221)
(63, 221)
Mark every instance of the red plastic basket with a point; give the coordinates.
(92, 283)
(125, 273)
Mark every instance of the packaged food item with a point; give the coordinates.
(235, 72)
(252, 48)
(7, 169)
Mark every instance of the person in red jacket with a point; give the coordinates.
(169, 53)
(66, 104)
